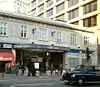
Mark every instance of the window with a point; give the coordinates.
(72, 62)
(60, 7)
(73, 14)
(57, 0)
(19, 7)
(61, 17)
(40, 1)
(24, 31)
(33, 3)
(50, 13)
(41, 8)
(90, 22)
(59, 36)
(34, 11)
(86, 40)
(49, 3)
(3, 28)
(73, 38)
(72, 2)
(43, 34)
(90, 7)
(94, 6)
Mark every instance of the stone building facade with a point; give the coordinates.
(49, 43)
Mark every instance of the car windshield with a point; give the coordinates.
(82, 68)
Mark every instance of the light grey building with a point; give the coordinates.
(50, 43)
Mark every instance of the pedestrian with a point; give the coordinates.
(3, 72)
(16, 70)
(56, 72)
(26, 71)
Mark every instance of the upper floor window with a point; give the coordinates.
(90, 7)
(59, 36)
(60, 7)
(40, 1)
(3, 28)
(41, 8)
(49, 3)
(33, 3)
(72, 2)
(43, 34)
(50, 13)
(90, 22)
(86, 40)
(73, 38)
(24, 31)
(73, 14)
(57, 0)
(19, 7)
(34, 11)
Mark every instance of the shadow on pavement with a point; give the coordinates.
(86, 85)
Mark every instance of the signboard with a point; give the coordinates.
(39, 46)
(5, 45)
(39, 59)
(36, 65)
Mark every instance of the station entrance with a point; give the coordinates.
(40, 60)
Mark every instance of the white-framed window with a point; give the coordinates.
(50, 13)
(57, 0)
(41, 8)
(43, 34)
(3, 28)
(73, 14)
(60, 7)
(59, 36)
(34, 11)
(86, 40)
(49, 3)
(72, 62)
(24, 31)
(72, 2)
(40, 1)
(73, 38)
(33, 3)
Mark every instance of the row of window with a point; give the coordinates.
(73, 14)
(72, 2)
(90, 21)
(43, 34)
(59, 8)
(90, 7)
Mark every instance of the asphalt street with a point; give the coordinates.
(43, 81)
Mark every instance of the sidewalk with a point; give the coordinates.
(13, 76)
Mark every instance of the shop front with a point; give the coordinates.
(40, 57)
(7, 60)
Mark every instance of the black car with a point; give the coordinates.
(82, 74)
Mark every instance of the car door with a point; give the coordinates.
(97, 71)
(90, 74)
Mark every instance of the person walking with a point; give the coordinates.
(3, 69)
